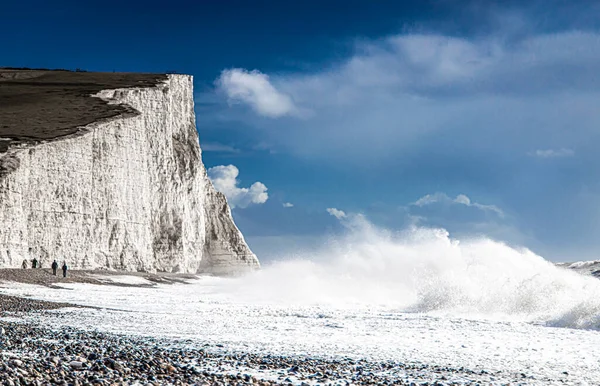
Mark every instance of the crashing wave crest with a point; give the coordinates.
(424, 270)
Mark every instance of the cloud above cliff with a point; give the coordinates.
(405, 92)
(506, 111)
(253, 88)
(224, 179)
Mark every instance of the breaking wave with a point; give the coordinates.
(424, 270)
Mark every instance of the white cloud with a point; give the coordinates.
(456, 113)
(288, 205)
(404, 91)
(551, 153)
(224, 179)
(218, 147)
(255, 89)
(339, 214)
(461, 199)
(431, 199)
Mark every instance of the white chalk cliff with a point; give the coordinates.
(127, 193)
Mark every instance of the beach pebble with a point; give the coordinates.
(68, 356)
(77, 365)
(16, 362)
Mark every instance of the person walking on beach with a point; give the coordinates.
(64, 269)
(24, 265)
(33, 258)
(54, 267)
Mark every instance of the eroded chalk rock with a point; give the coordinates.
(129, 193)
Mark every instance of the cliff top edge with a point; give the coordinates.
(39, 105)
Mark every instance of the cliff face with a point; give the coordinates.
(128, 193)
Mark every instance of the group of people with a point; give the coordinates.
(37, 264)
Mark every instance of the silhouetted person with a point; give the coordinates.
(34, 263)
(64, 269)
(54, 267)
(24, 265)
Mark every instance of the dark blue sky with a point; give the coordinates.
(391, 109)
(192, 37)
(204, 37)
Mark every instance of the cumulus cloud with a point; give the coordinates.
(288, 205)
(224, 179)
(339, 214)
(411, 90)
(457, 112)
(254, 89)
(461, 199)
(551, 153)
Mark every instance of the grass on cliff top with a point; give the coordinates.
(45, 104)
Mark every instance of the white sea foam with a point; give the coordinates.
(416, 295)
(121, 279)
(419, 270)
(424, 270)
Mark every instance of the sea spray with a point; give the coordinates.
(424, 270)
(371, 271)
(417, 296)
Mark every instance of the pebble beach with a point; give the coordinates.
(32, 354)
